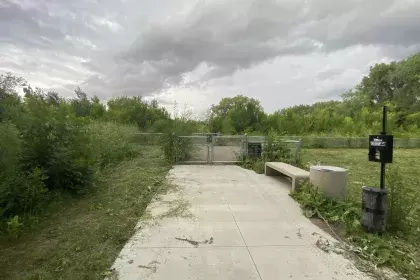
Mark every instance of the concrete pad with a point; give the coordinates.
(284, 233)
(185, 233)
(212, 213)
(207, 196)
(259, 212)
(232, 224)
(276, 263)
(188, 263)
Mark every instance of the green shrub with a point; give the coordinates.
(57, 144)
(402, 204)
(177, 149)
(14, 226)
(20, 191)
(259, 166)
(109, 143)
(274, 149)
(315, 204)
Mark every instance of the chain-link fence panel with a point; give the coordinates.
(319, 142)
(192, 150)
(227, 148)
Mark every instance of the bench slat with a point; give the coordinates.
(287, 169)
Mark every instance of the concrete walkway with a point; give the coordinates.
(225, 222)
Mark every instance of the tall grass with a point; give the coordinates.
(35, 168)
(110, 143)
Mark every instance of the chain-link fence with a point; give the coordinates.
(225, 149)
(192, 149)
(350, 142)
(229, 149)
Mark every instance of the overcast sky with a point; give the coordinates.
(283, 52)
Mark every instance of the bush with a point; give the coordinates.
(273, 149)
(20, 191)
(316, 204)
(57, 144)
(402, 204)
(177, 149)
(109, 143)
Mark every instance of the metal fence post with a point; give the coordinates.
(298, 149)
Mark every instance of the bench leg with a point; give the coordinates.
(297, 182)
(293, 184)
(271, 172)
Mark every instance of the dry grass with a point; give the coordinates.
(79, 238)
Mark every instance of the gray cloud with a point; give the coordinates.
(198, 51)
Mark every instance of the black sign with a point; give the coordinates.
(381, 148)
(254, 149)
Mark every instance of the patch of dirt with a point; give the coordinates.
(322, 225)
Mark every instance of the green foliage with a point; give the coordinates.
(344, 218)
(359, 114)
(402, 216)
(78, 237)
(236, 115)
(14, 226)
(316, 204)
(274, 149)
(50, 145)
(138, 112)
(20, 190)
(56, 143)
(109, 143)
(175, 148)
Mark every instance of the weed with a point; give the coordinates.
(14, 226)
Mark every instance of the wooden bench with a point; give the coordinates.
(297, 174)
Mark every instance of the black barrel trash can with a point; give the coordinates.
(374, 205)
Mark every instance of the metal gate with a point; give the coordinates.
(210, 149)
(220, 149)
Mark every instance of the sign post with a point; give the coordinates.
(374, 200)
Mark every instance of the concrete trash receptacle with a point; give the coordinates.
(331, 180)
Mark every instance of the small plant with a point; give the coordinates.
(14, 226)
(316, 205)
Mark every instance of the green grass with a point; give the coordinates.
(361, 171)
(79, 237)
(397, 250)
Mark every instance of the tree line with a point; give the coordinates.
(396, 85)
(50, 144)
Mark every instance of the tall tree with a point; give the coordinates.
(238, 114)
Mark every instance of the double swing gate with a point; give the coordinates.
(221, 149)
(210, 149)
